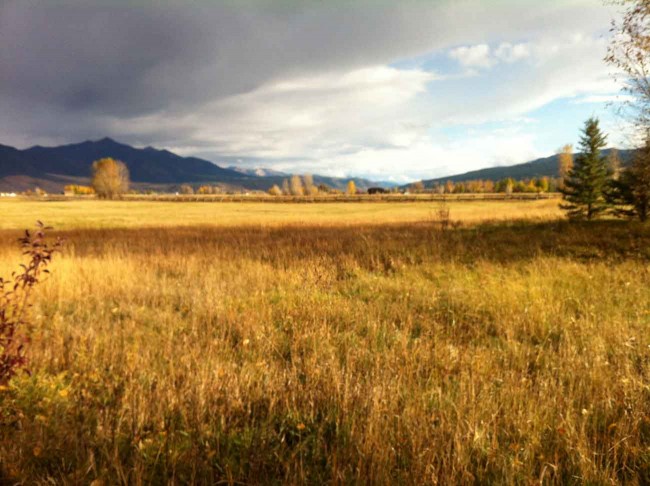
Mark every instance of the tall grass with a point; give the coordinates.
(492, 353)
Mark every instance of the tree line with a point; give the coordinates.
(110, 179)
(304, 186)
(507, 185)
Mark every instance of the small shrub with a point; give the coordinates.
(15, 300)
(442, 215)
(275, 191)
(187, 189)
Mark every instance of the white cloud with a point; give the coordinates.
(510, 53)
(306, 117)
(605, 98)
(557, 68)
(482, 56)
(473, 56)
(426, 159)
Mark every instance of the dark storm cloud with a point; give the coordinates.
(85, 58)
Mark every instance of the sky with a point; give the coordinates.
(392, 91)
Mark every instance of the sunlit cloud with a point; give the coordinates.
(473, 56)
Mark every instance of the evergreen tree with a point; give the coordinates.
(629, 194)
(639, 177)
(584, 187)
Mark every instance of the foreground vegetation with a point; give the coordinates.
(502, 352)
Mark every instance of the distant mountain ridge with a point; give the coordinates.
(51, 168)
(75, 160)
(544, 167)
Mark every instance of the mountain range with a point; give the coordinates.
(51, 168)
(544, 167)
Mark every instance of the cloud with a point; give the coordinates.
(426, 158)
(482, 56)
(473, 56)
(605, 98)
(510, 53)
(557, 68)
(309, 117)
(119, 58)
(312, 85)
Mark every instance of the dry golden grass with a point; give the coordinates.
(509, 352)
(92, 213)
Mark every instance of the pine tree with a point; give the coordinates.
(639, 177)
(584, 187)
(629, 194)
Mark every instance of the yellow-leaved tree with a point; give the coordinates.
(308, 183)
(565, 162)
(110, 178)
(296, 186)
(352, 188)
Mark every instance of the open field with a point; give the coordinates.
(247, 343)
(18, 214)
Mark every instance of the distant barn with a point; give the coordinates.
(377, 190)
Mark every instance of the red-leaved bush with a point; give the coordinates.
(15, 300)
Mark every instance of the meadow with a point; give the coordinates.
(179, 343)
(93, 214)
